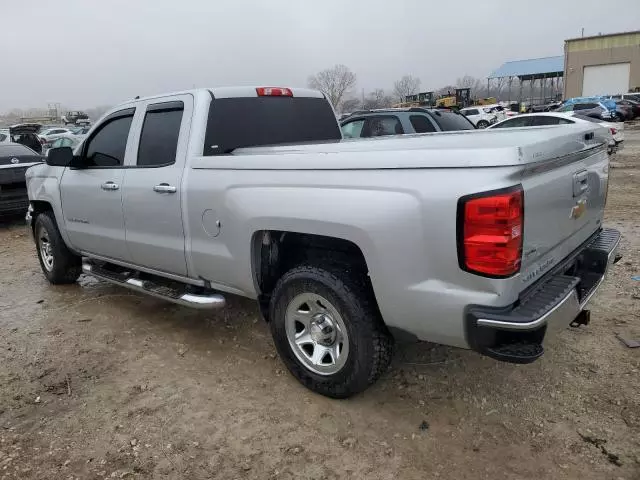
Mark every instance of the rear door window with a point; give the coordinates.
(353, 129)
(159, 137)
(471, 111)
(421, 124)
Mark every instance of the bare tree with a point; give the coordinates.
(447, 90)
(335, 83)
(406, 86)
(472, 83)
(496, 86)
(350, 104)
(377, 99)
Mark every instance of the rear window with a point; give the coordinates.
(15, 150)
(255, 121)
(588, 119)
(449, 121)
(584, 106)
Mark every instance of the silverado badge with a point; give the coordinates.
(578, 209)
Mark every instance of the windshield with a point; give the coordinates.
(256, 121)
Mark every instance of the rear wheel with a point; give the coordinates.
(482, 124)
(58, 263)
(328, 331)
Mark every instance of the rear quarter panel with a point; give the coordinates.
(403, 220)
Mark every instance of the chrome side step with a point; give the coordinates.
(210, 301)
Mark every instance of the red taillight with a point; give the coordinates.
(490, 232)
(274, 92)
(42, 140)
(613, 131)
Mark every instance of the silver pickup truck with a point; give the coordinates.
(477, 239)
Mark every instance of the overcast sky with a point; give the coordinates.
(84, 53)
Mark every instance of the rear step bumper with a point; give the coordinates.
(181, 297)
(515, 333)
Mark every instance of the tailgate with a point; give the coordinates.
(564, 201)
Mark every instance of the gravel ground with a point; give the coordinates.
(97, 382)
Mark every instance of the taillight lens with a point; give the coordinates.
(490, 232)
(613, 131)
(274, 92)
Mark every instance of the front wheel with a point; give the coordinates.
(482, 124)
(328, 331)
(58, 263)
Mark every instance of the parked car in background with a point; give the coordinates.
(398, 121)
(71, 141)
(635, 106)
(497, 110)
(616, 130)
(75, 118)
(80, 130)
(589, 109)
(511, 109)
(25, 134)
(48, 136)
(479, 117)
(14, 161)
(627, 108)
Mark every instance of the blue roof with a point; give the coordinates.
(536, 67)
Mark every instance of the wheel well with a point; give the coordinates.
(275, 252)
(39, 207)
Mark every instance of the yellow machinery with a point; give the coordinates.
(461, 99)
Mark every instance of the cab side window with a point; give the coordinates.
(106, 148)
(159, 137)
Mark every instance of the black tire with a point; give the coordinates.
(370, 344)
(66, 266)
(482, 124)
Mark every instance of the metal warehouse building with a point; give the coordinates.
(602, 65)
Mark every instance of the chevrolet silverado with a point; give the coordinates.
(486, 240)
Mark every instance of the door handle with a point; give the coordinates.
(165, 188)
(110, 186)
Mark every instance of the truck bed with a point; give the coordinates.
(515, 146)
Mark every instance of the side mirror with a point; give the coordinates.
(60, 157)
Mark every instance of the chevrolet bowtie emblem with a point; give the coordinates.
(578, 209)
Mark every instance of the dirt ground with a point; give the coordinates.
(97, 382)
